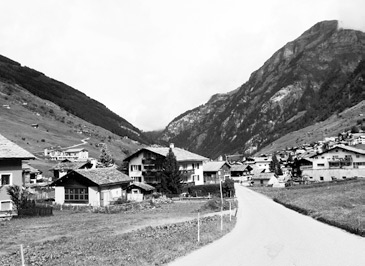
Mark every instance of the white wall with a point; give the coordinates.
(60, 195)
(338, 173)
(94, 196)
(136, 161)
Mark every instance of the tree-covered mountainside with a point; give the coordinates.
(319, 74)
(68, 98)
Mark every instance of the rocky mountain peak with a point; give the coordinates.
(303, 82)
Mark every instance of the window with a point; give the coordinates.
(76, 195)
(321, 178)
(320, 164)
(6, 179)
(136, 167)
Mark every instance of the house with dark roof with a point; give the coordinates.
(138, 191)
(11, 173)
(95, 187)
(62, 168)
(216, 171)
(30, 174)
(338, 162)
(145, 165)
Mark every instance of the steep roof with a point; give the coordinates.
(214, 166)
(180, 154)
(348, 148)
(238, 167)
(144, 186)
(104, 176)
(9, 150)
(69, 165)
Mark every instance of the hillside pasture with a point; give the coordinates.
(341, 204)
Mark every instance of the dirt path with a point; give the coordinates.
(267, 233)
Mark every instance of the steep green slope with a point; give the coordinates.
(73, 101)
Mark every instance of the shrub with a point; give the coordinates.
(204, 190)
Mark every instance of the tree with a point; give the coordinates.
(18, 196)
(228, 187)
(171, 179)
(105, 158)
(275, 165)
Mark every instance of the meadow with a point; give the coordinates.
(341, 203)
(154, 236)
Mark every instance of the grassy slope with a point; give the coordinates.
(328, 128)
(56, 128)
(342, 202)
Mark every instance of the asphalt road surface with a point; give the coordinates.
(268, 234)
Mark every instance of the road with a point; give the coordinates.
(268, 234)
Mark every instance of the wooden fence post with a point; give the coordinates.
(22, 254)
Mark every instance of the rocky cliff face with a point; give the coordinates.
(303, 82)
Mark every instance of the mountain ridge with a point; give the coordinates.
(70, 99)
(281, 96)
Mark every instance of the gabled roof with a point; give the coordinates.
(9, 150)
(180, 154)
(76, 150)
(143, 186)
(69, 165)
(104, 176)
(28, 168)
(348, 148)
(214, 166)
(238, 167)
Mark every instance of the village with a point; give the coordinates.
(76, 179)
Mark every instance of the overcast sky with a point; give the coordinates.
(151, 60)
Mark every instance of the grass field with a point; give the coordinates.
(149, 237)
(341, 204)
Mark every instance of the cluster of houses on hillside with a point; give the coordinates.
(77, 180)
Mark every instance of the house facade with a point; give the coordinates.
(95, 187)
(11, 172)
(339, 162)
(145, 165)
(214, 172)
(76, 154)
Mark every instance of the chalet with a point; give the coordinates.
(241, 172)
(338, 162)
(263, 162)
(139, 191)
(11, 156)
(30, 174)
(261, 177)
(216, 171)
(145, 165)
(95, 187)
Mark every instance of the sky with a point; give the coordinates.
(151, 60)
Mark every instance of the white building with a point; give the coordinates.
(145, 165)
(76, 154)
(339, 162)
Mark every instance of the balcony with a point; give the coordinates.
(148, 161)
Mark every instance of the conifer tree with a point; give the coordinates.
(105, 158)
(171, 180)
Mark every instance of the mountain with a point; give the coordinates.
(318, 75)
(66, 97)
(35, 124)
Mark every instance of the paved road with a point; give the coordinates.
(268, 234)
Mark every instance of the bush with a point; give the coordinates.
(204, 190)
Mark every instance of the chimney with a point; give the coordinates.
(172, 145)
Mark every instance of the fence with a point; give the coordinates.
(36, 211)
